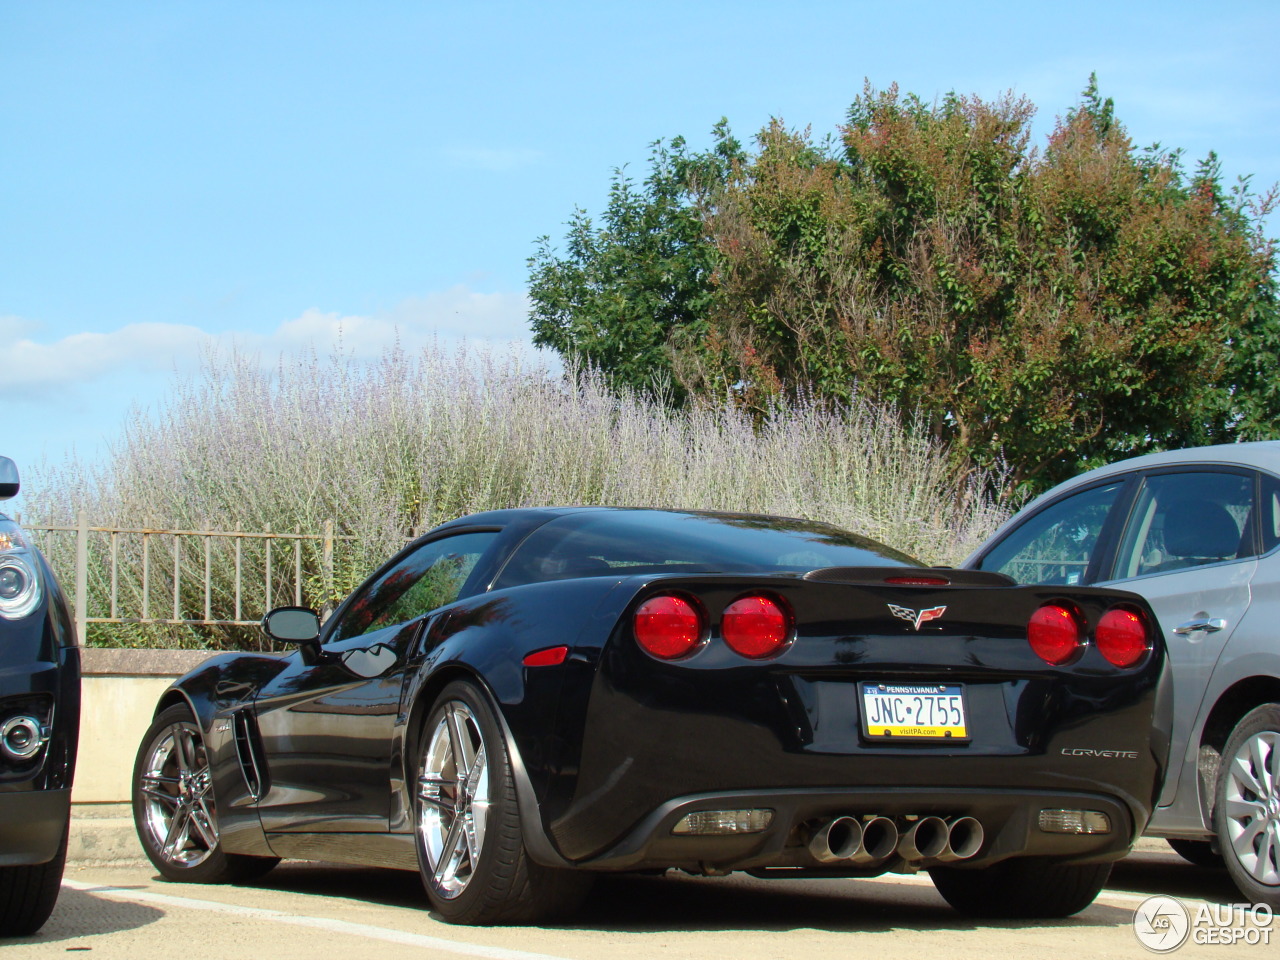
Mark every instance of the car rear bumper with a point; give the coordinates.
(1009, 821)
(32, 825)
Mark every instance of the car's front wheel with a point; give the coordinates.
(1023, 888)
(174, 809)
(1246, 814)
(468, 831)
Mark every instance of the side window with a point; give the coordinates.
(1056, 544)
(1182, 520)
(430, 577)
(1270, 512)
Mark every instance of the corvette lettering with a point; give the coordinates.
(1102, 754)
(916, 617)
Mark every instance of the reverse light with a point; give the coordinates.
(1122, 636)
(756, 627)
(1074, 821)
(668, 627)
(1055, 634)
(720, 822)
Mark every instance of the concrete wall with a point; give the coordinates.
(118, 698)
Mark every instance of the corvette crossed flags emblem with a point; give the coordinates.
(916, 617)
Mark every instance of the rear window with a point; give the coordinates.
(625, 542)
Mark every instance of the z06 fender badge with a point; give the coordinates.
(916, 617)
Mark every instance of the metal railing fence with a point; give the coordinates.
(146, 576)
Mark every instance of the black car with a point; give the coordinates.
(524, 698)
(39, 726)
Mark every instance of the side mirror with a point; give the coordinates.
(292, 625)
(8, 479)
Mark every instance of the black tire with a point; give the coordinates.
(28, 894)
(467, 828)
(174, 810)
(1023, 888)
(1246, 811)
(1199, 852)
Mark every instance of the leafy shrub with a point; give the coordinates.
(389, 449)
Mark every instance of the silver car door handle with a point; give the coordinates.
(1207, 624)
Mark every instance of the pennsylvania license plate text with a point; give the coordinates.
(929, 711)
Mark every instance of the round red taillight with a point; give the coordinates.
(668, 627)
(1122, 636)
(756, 626)
(1054, 634)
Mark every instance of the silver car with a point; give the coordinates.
(1196, 533)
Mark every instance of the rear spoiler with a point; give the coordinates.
(911, 577)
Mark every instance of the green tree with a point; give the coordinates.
(1058, 307)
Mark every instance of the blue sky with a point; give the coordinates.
(180, 176)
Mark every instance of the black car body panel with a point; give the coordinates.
(312, 753)
(39, 723)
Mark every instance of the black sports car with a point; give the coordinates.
(39, 725)
(523, 698)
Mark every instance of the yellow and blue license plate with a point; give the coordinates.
(914, 711)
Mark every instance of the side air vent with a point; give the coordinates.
(249, 753)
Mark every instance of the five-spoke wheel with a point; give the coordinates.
(453, 787)
(174, 809)
(469, 833)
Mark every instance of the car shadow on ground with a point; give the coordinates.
(1148, 874)
(80, 915)
(675, 901)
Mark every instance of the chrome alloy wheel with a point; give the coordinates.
(1253, 806)
(178, 800)
(453, 790)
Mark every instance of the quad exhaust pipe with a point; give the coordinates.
(849, 840)
(846, 838)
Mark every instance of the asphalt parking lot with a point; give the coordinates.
(122, 912)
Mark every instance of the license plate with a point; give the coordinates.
(914, 711)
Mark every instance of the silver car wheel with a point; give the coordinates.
(453, 794)
(178, 801)
(1253, 806)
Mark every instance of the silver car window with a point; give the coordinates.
(1189, 519)
(1056, 544)
(1270, 512)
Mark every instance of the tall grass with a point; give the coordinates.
(394, 447)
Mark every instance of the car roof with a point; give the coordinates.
(1259, 454)
(504, 517)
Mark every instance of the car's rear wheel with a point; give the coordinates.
(1023, 888)
(470, 841)
(1246, 814)
(1199, 852)
(28, 893)
(174, 809)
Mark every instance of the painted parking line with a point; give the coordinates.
(316, 923)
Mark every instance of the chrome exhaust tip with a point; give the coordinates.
(22, 737)
(836, 840)
(879, 839)
(925, 840)
(964, 839)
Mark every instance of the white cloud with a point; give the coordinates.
(33, 368)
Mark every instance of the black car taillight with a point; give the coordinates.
(757, 626)
(1056, 634)
(668, 627)
(1123, 636)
